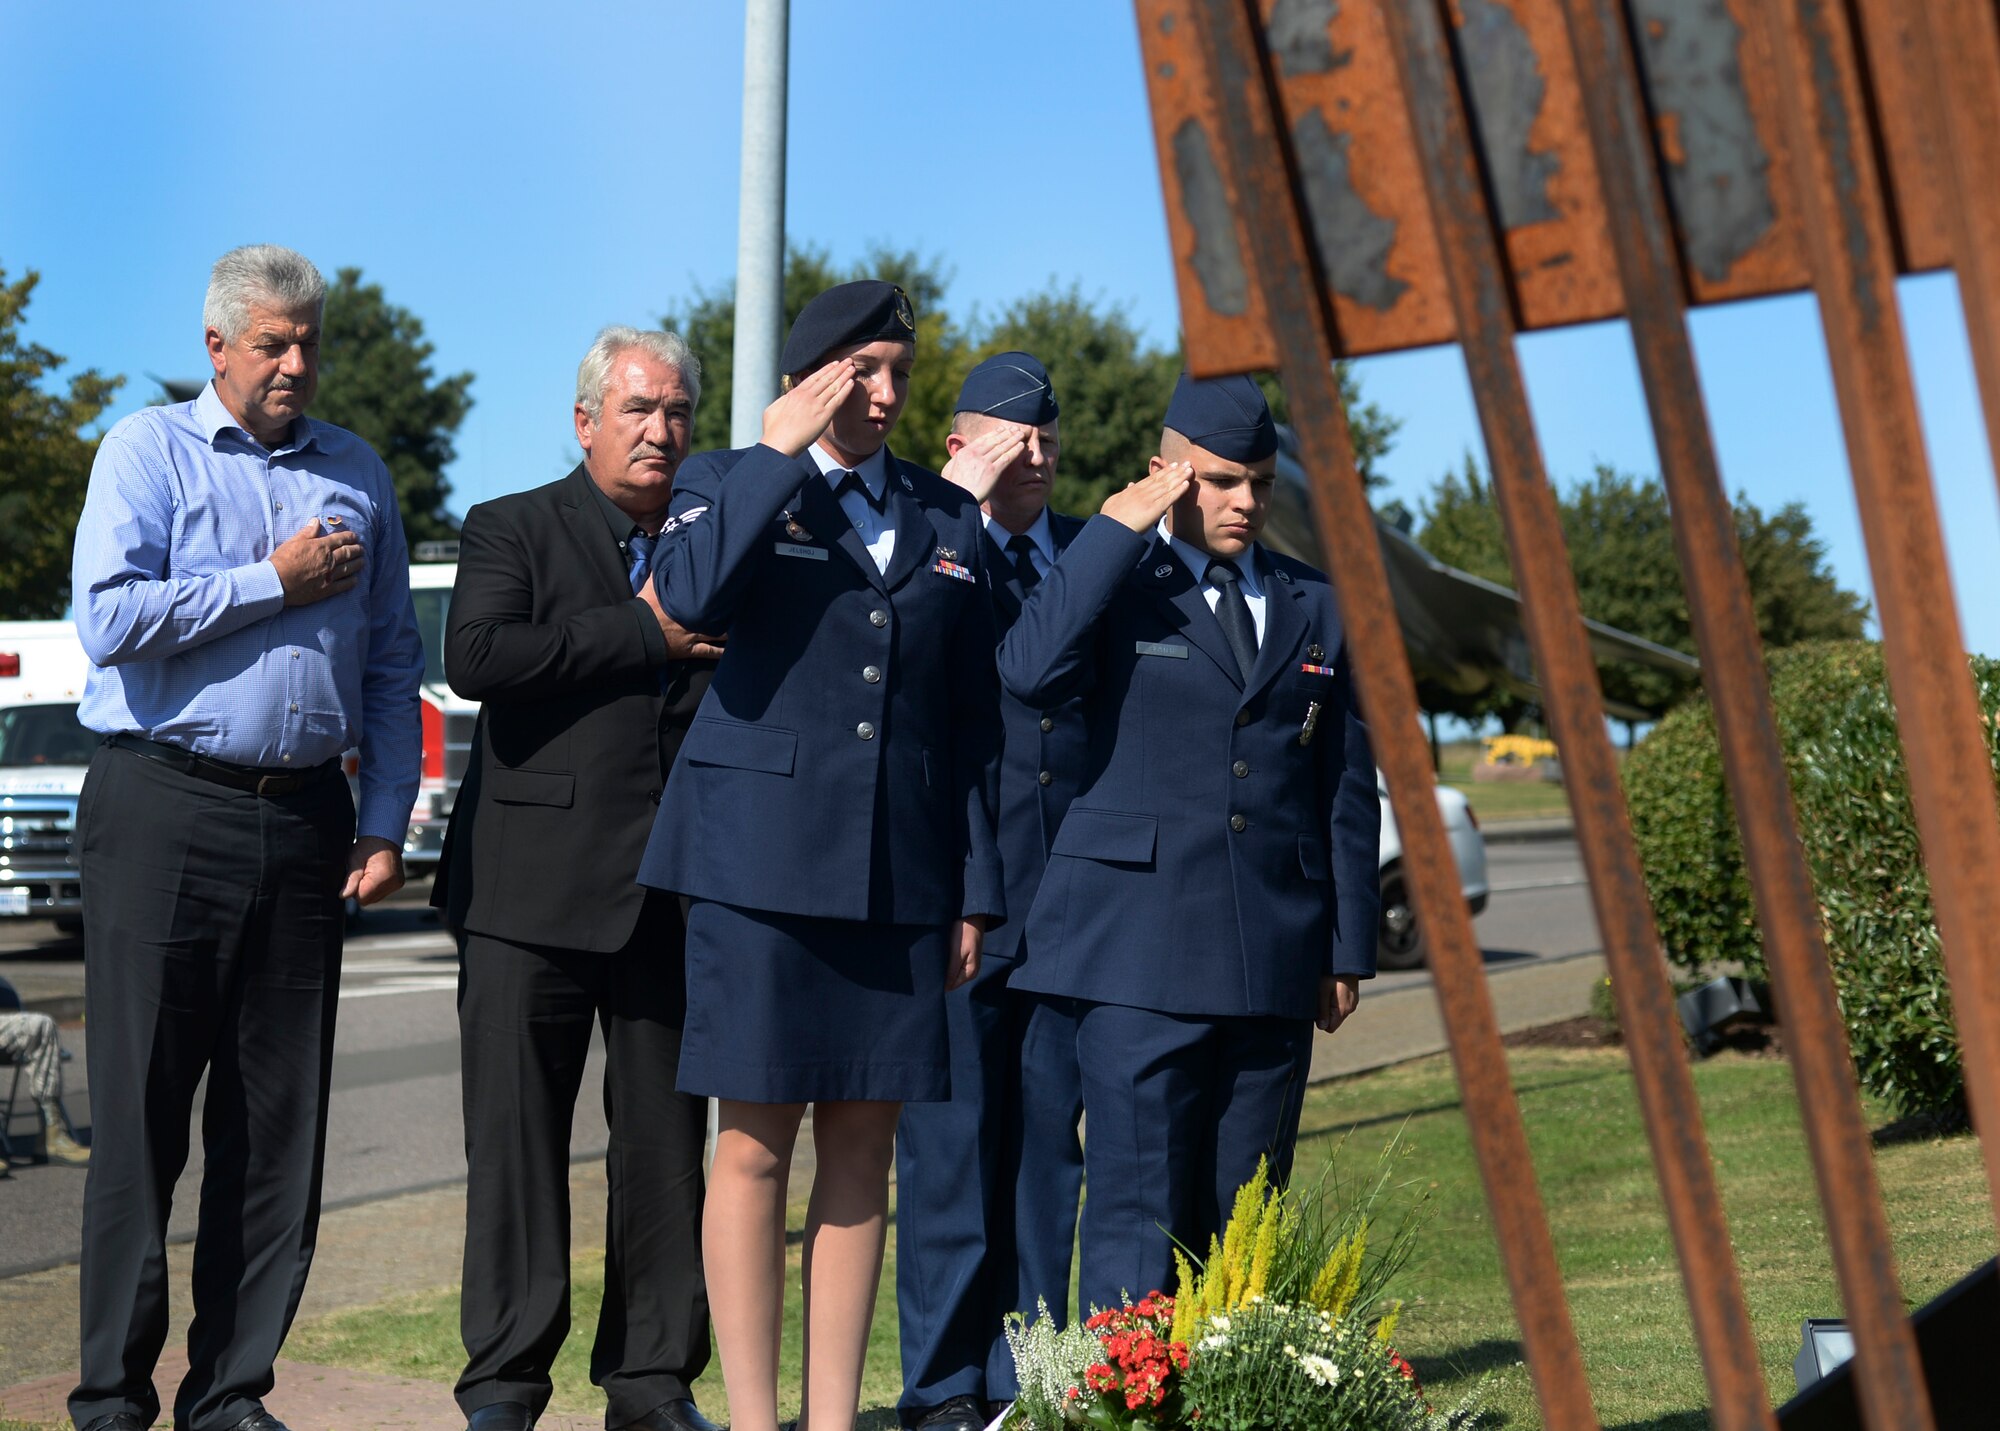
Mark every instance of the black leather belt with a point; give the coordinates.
(252, 778)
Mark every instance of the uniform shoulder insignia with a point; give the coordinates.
(685, 519)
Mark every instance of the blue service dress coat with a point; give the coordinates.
(1221, 857)
(835, 792)
(1042, 763)
(990, 1180)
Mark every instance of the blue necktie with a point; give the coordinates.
(1234, 613)
(639, 548)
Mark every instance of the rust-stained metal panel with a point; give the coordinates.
(1251, 128)
(1224, 321)
(1918, 172)
(1357, 169)
(1710, 82)
(1527, 113)
(1707, 70)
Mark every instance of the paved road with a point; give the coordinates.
(395, 1123)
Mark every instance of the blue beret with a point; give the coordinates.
(843, 316)
(1014, 386)
(1228, 416)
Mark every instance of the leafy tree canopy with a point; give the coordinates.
(1113, 385)
(1621, 552)
(375, 380)
(44, 461)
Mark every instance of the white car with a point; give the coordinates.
(1399, 942)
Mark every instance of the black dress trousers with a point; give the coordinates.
(212, 918)
(525, 1014)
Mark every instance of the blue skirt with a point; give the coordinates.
(787, 1008)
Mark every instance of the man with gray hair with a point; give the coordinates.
(586, 687)
(242, 589)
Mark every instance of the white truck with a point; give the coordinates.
(43, 753)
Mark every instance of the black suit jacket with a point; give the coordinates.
(574, 734)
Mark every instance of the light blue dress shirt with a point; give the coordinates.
(184, 618)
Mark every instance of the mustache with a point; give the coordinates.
(284, 383)
(653, 449)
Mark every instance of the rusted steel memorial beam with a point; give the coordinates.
(1354, 176)
(1264, 234)
(1733, 675)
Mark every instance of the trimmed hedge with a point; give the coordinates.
(1845, 763)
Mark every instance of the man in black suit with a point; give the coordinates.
(987, 1183)
(586, 686)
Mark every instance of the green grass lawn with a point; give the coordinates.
(1610, 1236)
(1529, 800)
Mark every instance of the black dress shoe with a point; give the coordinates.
(502, 1416)
(260, 1420)
(680, 1415)
(121, 1421)
(961, 1413)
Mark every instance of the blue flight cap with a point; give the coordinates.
(1228, 416)
(843, 316)
(1014, 386)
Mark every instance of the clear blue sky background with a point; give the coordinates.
(519, 175)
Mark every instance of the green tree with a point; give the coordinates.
(1621, 552)
(44, 461)
(376, 381)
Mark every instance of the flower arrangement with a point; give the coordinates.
(1284, 1326)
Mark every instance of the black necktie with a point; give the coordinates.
(639, 552)
(852, 483)
(1234, 614)
(1022, 548)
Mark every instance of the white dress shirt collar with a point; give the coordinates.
(1197, 562)
(873, 469)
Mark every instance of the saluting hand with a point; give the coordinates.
(978, 464)
(967, 936)
(1141, 504)
(794, 422)
(312, 566)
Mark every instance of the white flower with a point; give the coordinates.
(1290, 1350)
(1219, 1322)
(1213, 1343)
(1320, 1370)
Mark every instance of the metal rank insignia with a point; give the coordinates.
(1165, 568)
(796, 532)
(1311, 725)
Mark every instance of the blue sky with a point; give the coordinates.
(523, 177)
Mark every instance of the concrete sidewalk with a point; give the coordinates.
(414, 1242)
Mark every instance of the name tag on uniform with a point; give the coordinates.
(793, 549)
(1155, 648)
(953, 569)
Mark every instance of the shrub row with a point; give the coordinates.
(1837, 728)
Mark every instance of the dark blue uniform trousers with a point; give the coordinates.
(986, 1191)
(1177, 1110)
